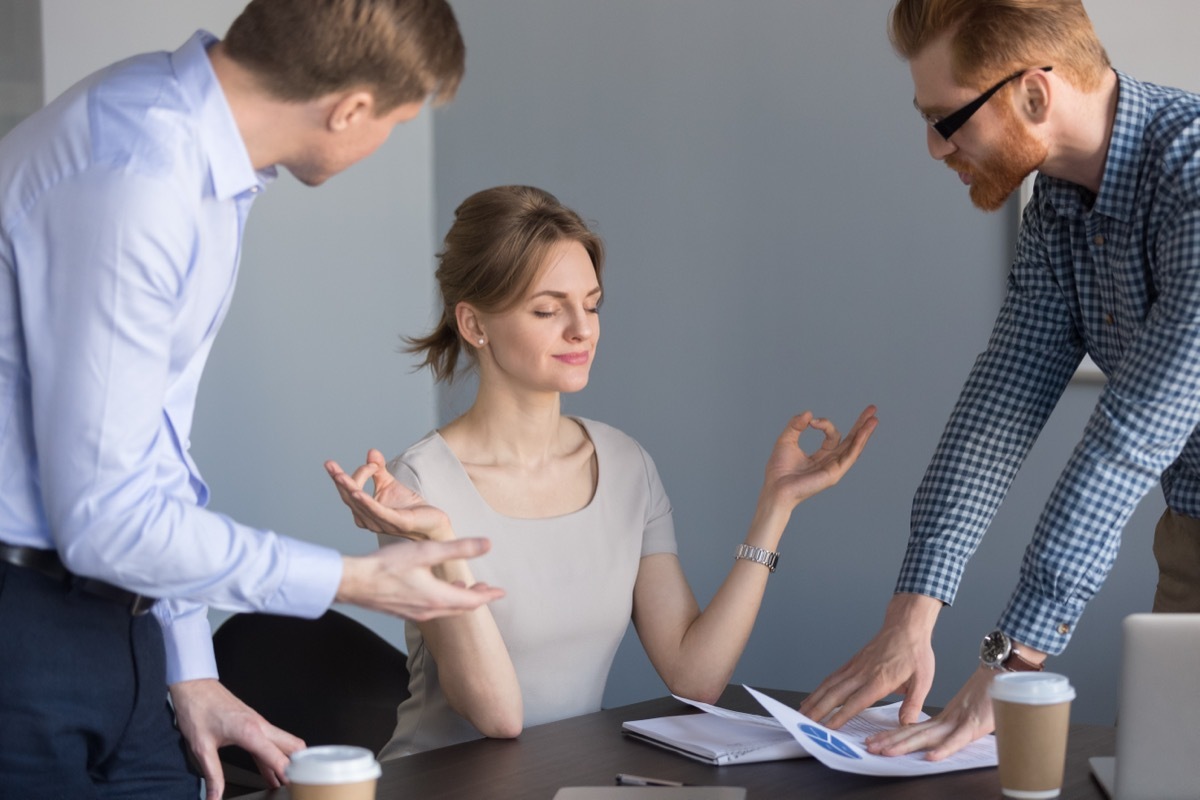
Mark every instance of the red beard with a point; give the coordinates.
(998, 175)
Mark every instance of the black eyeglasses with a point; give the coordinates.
(947, 125)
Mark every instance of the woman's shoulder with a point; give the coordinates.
(613, 443)
(602, 432)
(626, 467)
(427, 453)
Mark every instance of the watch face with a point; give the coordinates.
(996, 648)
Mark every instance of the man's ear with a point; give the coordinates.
(349, 109)
(1036, 94)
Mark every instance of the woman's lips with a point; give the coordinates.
(575, 359)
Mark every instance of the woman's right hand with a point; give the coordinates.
(392, 509)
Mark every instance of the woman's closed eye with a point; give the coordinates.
(541, 313)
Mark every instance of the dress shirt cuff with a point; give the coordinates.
(187, 639)
(929, 572)
(1038, 621)
(310, 582)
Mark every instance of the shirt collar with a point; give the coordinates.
(1114, 199)
(1124, 150)
(230, 169)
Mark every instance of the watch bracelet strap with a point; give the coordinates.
(748, 552)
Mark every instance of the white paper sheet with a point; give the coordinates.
(740, 716)
(845, 749)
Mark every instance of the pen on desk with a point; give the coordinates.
(638, 780)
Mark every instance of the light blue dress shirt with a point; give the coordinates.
(122, 206)
(1115, 275)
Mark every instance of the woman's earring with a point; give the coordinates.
(481, 341)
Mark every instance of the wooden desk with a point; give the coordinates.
(590, 750)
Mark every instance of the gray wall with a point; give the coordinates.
(779, 240)
(20, 61)
(306, 367)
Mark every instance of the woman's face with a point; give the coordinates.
(547, 341)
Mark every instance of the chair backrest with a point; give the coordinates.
(330, 680)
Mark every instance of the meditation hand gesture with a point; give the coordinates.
(408, 581)
(793, 476)
(394, 510)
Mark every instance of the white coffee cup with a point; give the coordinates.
(333, 772)
(1032, 712)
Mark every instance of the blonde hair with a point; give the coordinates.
(993, 38)
(403, 51)
(499, 240)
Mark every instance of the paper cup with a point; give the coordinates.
(333, 772)
(1032, 712)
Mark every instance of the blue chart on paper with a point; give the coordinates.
(829, 741)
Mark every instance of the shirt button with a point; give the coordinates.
(1098, 239)
(1064, 628)
(1108, 319)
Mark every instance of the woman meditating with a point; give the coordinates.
(581, 528)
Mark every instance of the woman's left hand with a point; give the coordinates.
(794, 476)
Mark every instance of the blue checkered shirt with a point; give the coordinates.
(1115, 275)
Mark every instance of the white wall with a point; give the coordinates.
(306, 366)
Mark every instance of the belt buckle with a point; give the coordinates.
(140, 605)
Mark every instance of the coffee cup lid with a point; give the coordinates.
(332, 764)
(1033, 688)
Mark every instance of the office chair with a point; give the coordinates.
(329, 680)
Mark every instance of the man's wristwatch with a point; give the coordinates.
(998, 652)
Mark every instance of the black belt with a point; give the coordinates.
(48, 563)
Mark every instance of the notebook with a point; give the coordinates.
(717, 737)
(1158, 731)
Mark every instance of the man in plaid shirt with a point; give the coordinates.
(1107, 264)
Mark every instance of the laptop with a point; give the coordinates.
(1158, 730)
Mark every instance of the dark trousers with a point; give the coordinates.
(83, 698)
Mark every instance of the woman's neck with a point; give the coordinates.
(502, 428)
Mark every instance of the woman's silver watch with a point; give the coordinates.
(749, 552)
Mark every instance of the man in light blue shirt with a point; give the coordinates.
(122, 207)
(1107, 263)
